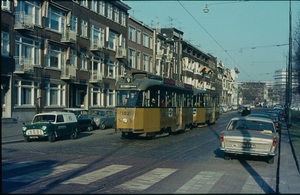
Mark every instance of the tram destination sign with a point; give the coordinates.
(128, 86)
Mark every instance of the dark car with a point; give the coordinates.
(86, 123)
(103, 118)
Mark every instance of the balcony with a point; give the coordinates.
(69, 36)
(96, 45)
(23, 21)
(69, 72)
(121, 53)
(159, 55)
(96, 76)
(23, 65)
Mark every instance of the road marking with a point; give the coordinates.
(201, 183)
(257, 184)
(97, 175)
(11, 166)
(30, 177)
(148, 179)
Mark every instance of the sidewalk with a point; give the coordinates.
(289, 176)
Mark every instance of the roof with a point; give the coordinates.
(253, 118)
(77, 109)
(54, 113)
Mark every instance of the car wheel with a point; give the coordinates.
(227, 157)
(270, 160)
(90, 128)
(74, 133)
(26, 139)
(51, 137)
(102, 126)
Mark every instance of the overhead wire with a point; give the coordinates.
(226, 51)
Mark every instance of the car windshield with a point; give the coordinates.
(43, 118)
(98, 113)
(250, 125)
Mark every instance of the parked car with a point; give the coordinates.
(103, 118)
(278, 106)
(280, 112)
(273, 116)
(51, 125)
(86, 123)
(254, 136)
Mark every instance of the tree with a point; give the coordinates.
(296, 55)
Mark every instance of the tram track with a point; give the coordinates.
(176, 153)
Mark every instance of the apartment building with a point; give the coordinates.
(58, 54)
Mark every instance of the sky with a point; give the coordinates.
(252, 36)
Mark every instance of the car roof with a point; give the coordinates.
(79, 109)
(53, 113)
(253, 118)
(258, 115)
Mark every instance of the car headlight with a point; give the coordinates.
(44, 127)
(24, 128)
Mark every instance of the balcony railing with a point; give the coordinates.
(23, 65)
(69, 72)
(96, 76)
(121, 53)
(96, 45)
(69, 36)
(23, 21)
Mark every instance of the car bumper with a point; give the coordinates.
(247, 152)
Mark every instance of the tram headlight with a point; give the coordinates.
(125, 120)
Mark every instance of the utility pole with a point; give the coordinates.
(290, 68)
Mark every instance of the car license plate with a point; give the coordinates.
(33, 137)
(248, 146)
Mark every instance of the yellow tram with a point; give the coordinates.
(149, 105)
(205, 109)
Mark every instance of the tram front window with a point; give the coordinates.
(127, 98)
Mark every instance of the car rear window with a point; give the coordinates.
(250, 125)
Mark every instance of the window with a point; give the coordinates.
(151, 64)
(56, 20)
(29, 12)
(84, 3)
(83, 61)
(96, 96)
(55, 57)
(111, 69)
(101, 8)
(138, 36)
(145, 40)
(25, 93)
(131, 33)
(27, 51)
(97, 36)
(5, 4)
(112, 40)
(109, 12)
(138, 60)
(150, 43)
(110, 97)
(131, 60)
(73, 58)
(55, 94)
(93, 5)
(145, 62)
(84, 28)
(97, 65)
(116, 15)
(60, 118)
(123, 18)
(73, 23)
(4, 44)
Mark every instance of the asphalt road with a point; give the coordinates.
(101, 162)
